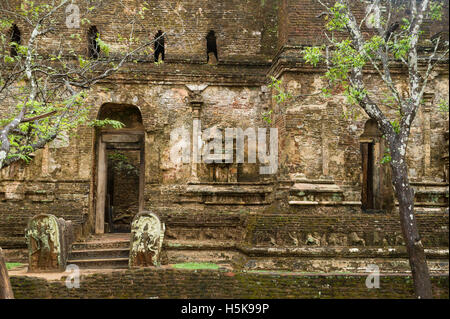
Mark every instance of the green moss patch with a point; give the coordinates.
(196, 266)
(10, 266)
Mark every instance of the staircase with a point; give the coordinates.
(106, 251)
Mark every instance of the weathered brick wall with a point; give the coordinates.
(56, 181)
(304, 24)
(61, 178)
(312, 124)
(165, 283)
(244, 30)
(68, 200)
(191, 225)
(166, 107)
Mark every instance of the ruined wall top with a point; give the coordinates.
(302, 22)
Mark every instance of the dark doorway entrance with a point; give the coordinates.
(367, 152)
(120, 169)
(122, 190)
(376, 187)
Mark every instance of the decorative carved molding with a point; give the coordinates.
(195, 98)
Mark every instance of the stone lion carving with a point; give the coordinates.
(147, 235)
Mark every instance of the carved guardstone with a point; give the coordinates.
(47, 243)
(147, 234)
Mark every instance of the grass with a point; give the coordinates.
(196, 266)
(10, 266)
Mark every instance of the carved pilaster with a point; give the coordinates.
(196, 103)
(324, 138)
(426, 128)
(445, 157)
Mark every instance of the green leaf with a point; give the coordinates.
(396, 126)
(103, 46)
(102, 123)
(312, 55)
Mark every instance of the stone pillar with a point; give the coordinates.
(147, 235)
(325, 156)
(445, 157)
(45, 161)
(102, 179)
(196, 103)
(426, 129)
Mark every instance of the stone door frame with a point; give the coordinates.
(376, 187)
(121, 139)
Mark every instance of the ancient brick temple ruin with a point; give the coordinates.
(329, 207)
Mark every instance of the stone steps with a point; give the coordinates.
(100, 245)
(100, 253)
(108, 251)
(100, 263)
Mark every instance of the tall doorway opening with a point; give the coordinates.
(120, 169)
(376, 186)
(367, 198)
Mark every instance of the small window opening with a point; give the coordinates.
(159, 46)
(211, 48)
(15, 40)
(93, 47)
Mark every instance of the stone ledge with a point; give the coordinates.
(325, 203)
(228, 188)
(347, 252)
(344, 252)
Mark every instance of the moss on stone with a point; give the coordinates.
(10, 266)
(196, 266)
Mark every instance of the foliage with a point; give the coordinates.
(45, 88)
(346, 56)
(312, 55)
(394, 41)
(122, 163)
(281, 95)
(107, 122)
(267, 116)
(386, 157)
(10, 266)
(443, 106)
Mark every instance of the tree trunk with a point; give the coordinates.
(5, 285)
(414, 246)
